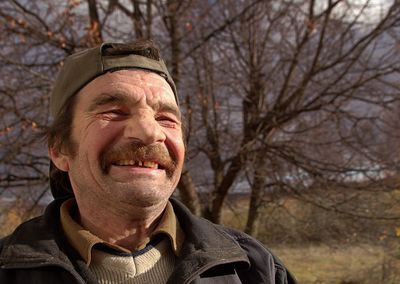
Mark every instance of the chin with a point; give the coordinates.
(145, 199)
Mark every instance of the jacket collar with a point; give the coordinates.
(206, 245)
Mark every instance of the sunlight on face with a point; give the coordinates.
(129, 136)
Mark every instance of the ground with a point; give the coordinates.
(348, 264)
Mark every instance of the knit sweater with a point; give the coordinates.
(110, 263)
(153, 264)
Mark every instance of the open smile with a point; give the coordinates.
(136, 156)
(142, 164)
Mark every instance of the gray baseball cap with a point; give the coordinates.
(82, 67)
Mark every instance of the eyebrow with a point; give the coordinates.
(120, 98)
(107, 99)
(171, 108)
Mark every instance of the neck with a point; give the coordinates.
(126, 227)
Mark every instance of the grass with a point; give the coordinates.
(321, 247)
(344, 261)
(350, 264)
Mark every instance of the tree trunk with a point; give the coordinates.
(222, 191)
(188, 193)
(149, 19)
(186, 186)
(174, 33)
(137, 15)
(94, 33)
(256, 198)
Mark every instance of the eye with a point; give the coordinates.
(167, 120)
(114, 114)
(117, 111)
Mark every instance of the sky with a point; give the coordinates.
(374, 11)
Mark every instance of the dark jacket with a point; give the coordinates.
(37, 252)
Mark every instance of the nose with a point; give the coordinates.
(144, 129)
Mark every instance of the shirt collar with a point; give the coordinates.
(83, 240)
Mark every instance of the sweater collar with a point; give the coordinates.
(84, 241)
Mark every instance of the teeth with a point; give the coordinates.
(146, 164)
(151, 165)
(126, 163)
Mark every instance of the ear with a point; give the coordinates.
(60, 160)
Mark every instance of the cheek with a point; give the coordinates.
(99, 136)
(175, 144)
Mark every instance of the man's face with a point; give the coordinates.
(127, 140)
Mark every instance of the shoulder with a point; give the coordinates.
(31, 235)
(261, 259)
(3, 240)
(13, 249)
(253, 247)
(23, 232)
(264, 266)
(25, 229)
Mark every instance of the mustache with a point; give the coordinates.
(139, 152)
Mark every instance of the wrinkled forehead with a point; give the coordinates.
(133, 83)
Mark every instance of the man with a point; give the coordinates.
(117, 152)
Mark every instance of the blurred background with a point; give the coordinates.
(292, 112)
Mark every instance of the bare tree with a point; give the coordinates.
(277, 97)
(285, 73)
